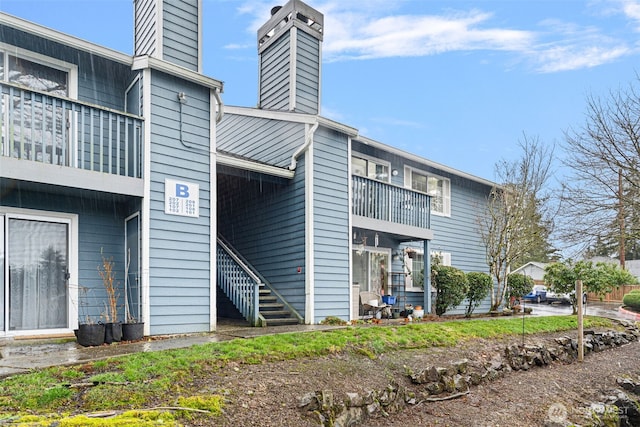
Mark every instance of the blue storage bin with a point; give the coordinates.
(389, 299)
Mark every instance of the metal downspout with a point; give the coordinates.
(308, 140)
(220, 112)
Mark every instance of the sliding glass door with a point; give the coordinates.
(38, 254)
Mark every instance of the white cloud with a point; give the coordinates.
(420, 35)
(571, 47)
(374, 29)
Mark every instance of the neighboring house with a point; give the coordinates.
(533, 269)
(275, 212)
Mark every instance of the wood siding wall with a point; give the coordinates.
(307, 74)
(331, 224)
(100, 81)
(460, 236)
(100, 231)
(179, 246)
(265, 222)
(181, 33)
(145, 29)
(265, 219)
(274, 75)
(457, 234)
(264, 140)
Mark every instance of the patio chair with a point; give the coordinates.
(372, 303)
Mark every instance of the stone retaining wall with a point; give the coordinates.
(435, 383)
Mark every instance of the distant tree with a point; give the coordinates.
(479, 287)
(451, 287)
(516, 211)
(601, 196)
(519, 285)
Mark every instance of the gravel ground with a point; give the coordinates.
(268, 394)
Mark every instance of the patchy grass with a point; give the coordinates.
(165, 378)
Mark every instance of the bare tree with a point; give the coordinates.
(600, 197)
(510, 226)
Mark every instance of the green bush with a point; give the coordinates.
(479, 286)
(451, 287)
(519, 285)
(632, 300)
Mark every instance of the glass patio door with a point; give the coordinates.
(370, 270)
(38, 259)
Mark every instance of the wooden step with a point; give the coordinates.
(268, 299)
(268, 307)
(282, 321)
(271, 314)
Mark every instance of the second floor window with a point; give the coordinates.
(37, 72)
(37, 76)
(438, 188)
(370, 168)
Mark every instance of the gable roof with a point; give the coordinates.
(350, 132)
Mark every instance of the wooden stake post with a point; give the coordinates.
(580, 323)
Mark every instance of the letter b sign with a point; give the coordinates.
(182, 191)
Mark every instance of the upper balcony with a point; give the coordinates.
(389, 208)
(57, 140)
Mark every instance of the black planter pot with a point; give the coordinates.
(90, 335)
(132, 331)
(112, 332)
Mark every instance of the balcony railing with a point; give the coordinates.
(386, 202)
(44, 128)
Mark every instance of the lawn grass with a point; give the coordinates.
(136, 381)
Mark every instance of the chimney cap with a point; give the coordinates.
(293, 13)
(275, 10)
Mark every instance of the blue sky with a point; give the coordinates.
(457, 82)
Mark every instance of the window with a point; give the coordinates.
(414, 265)
(33, 126)
(438, 188)
(370, 168)
(37, 72)
(37, 76)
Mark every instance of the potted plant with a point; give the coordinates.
(133, 328)
(113, 328)
(89, 332)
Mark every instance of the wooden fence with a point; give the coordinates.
(615, 295)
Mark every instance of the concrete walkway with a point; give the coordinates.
(19, 355)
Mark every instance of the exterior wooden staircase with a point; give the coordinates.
(273, 312)
(250, 293)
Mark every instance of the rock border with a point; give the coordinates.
(456, 379)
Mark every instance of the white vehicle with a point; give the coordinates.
(563, 298)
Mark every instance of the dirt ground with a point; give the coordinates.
(269, 394)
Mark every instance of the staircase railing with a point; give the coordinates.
(239, 283)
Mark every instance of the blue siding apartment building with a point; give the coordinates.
(274, 214)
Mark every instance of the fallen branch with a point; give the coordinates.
(94, 384)
(452, 396)
(177, 408)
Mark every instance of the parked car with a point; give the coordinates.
(563, 298)
(538, 294)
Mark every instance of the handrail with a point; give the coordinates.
(238, 286)
(242, 263)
